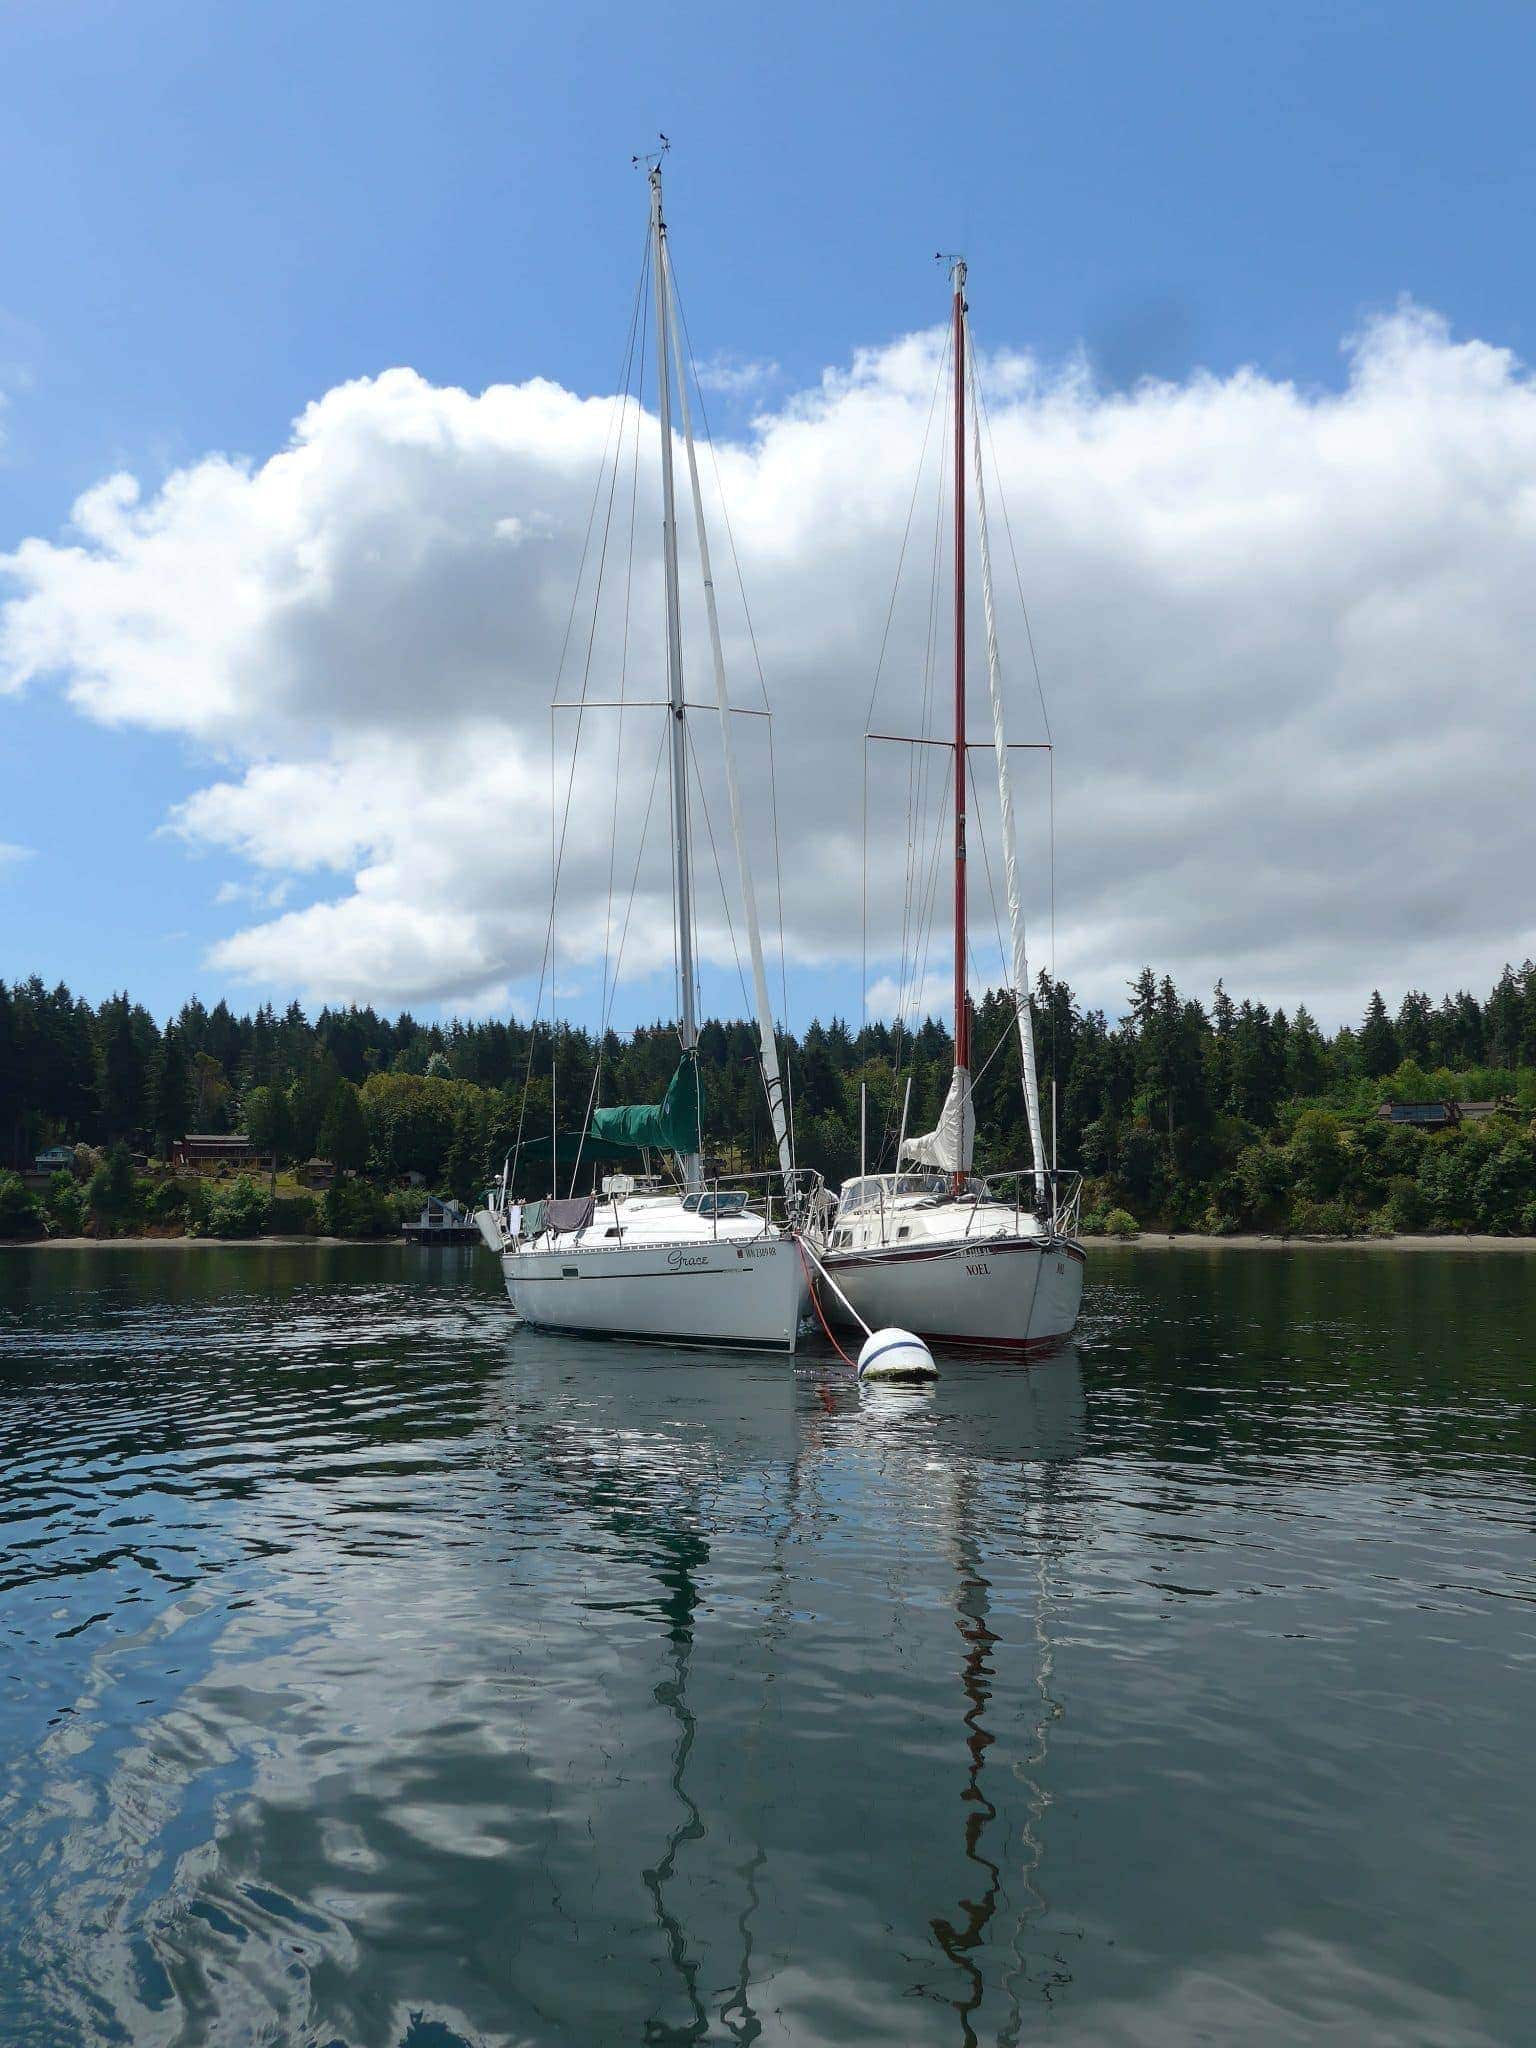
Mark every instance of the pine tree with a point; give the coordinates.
(1306, 1056)
(269, 1125)
(1415, 1027)
(123, 1080)
(1378, 1048)
(171, 1095)
(464, 1168)
(11, 1094)
(344, 1133)
(1219, 1055)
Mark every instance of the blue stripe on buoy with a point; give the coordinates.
(899, 1344)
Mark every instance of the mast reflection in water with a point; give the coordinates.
(802, 1663)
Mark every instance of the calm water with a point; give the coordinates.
(373, 1673)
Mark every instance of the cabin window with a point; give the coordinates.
(905, 1230)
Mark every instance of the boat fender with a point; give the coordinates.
(896, 1355)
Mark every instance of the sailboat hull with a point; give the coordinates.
(751, 1294)
(1009, 1294)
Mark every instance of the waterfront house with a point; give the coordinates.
(442, 1222)
(219, 1152)
(1428, 1116)
(1437, 1116)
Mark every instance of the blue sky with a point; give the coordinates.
(216, 213)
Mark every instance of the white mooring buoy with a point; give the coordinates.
(896, 1355)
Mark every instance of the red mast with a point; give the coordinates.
(962, 1014)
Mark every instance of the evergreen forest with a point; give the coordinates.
(1218, 1115)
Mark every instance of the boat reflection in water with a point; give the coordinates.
(820, 1753)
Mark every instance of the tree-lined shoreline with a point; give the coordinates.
(1218, 1117)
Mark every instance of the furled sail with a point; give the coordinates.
(951, 1144)
(672, 1125)
(1020, 962)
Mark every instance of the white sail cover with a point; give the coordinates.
(951, 1144)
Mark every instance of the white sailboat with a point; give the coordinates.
(690, 1262)
(955, 1259)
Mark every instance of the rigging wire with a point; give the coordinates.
(918, 897)
(709, 833)
(919, 877)
(613, 986)
(546, 964)
(1045, 716)
(986, 861)
(629, 574)
(762, 683)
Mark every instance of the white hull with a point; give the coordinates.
(992, 1293)
(751, 1292)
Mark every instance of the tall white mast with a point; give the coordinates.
(1005, 796)
(768, 1043)
(682, 894)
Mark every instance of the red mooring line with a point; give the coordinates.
(816, 1301)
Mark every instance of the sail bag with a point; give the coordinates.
(672, 1125)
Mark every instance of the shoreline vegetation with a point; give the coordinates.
(1221, 1120)
(1150, 1241)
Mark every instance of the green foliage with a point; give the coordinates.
(111, 1193)
(1264, 1176)
(269, 1123)
(171, 1099)
(166, 1201)
(1379, 1052)
(1411, 1084)
(464, 1170)
(1323, 1219)
(1406, 1208)
(293, 1216)
(411, 1121)
(351, 1208)
(1318, 1158)
(1226, 1116)
(240, 1210)
(344, 1131)
(309, 1098)
(1504, 1187)
(1121, 1223)
(65, 1206)
(123, 1083)
(20, 1215)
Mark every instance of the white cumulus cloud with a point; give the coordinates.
(1288, 639)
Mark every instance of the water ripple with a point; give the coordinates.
(379, 1675)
